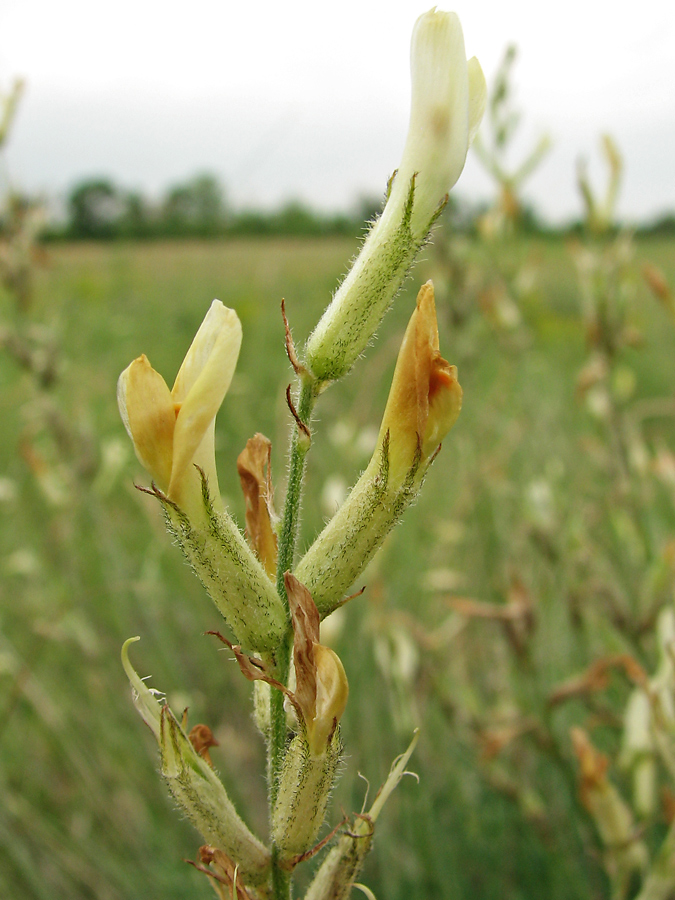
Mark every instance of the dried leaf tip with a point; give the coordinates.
(254, 465)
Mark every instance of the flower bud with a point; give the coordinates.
(305, 786)
(195, 786)
(448, 100)
(424, 402)
(341, 867)
(321, 683)
(321, 687)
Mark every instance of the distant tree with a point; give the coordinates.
(297, 219)
(251, 222)
(196, 207)
(663, 225)
(137, 220)
(95, 208)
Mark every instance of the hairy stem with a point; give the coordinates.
(296, 472)
(281, 881)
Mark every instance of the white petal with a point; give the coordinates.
(438, 134)
(477, 96)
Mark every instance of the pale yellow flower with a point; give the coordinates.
(173, 430)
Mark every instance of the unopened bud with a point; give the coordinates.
(304, 789)
(341, 867)
(424, 402)
(322, 689)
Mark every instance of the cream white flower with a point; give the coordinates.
(447, 105)
(448, 101)
(173, 430)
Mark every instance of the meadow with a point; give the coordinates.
(542, 501)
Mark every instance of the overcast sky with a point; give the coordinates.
(309, 100)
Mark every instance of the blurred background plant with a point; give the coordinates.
(564, 641)
(481, 260)
(527, 594)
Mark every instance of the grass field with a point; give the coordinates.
(523, 497)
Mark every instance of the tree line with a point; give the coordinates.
(98, 209)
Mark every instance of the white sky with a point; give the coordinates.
(309, 99)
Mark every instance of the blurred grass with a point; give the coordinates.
(84, 814)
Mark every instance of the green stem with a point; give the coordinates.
(296, 473)
(281, 881)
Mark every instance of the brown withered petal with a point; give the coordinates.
(255, 670)
(255, 474)
(306, 620)
(201, 738)
(223, 870)
(425, 397)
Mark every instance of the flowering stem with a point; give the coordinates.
(287, 541)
